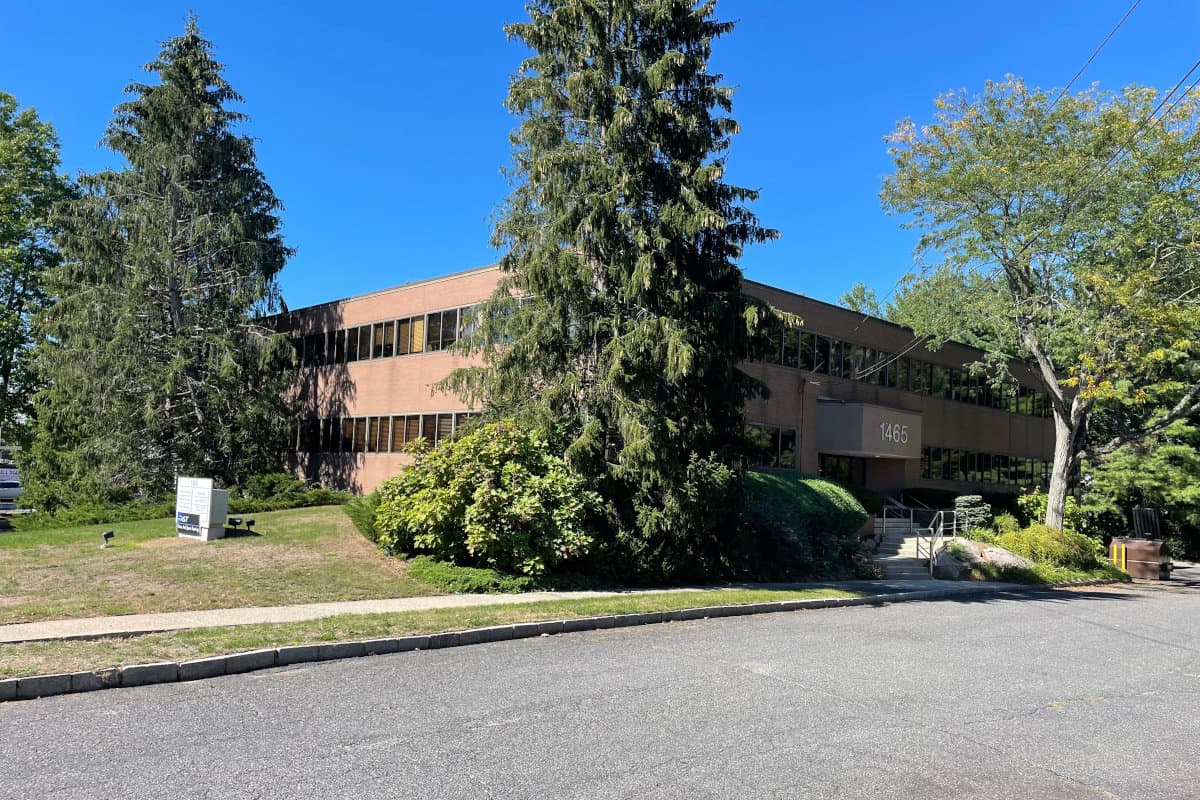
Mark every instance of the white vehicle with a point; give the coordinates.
(10, 484)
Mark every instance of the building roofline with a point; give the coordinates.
(880, 320)
(410, 285)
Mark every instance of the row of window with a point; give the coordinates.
(774, 446)
(397, 337)
(828, 356)
(949, 464)
(375, 434)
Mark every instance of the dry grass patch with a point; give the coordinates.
(300, 556)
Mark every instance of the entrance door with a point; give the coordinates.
(843, 469)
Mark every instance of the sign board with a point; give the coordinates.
(200, 509)
(867, 430)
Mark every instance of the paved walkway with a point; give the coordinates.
(133, 624)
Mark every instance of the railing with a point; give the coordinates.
(944, 525)
(899, 516)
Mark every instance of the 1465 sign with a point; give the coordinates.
(894, 432)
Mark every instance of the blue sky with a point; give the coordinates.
(381, 126)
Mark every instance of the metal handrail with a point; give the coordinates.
(945, 525)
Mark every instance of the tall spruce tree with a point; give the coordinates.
(156, 360)
(29, 189)
(621, 239)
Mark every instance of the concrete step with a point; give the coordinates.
(903, 567)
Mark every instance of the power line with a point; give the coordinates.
(1095, 53)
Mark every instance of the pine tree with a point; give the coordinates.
(621, 239)
(155, 358)
(29, 189)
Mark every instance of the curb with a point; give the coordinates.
(35, 686)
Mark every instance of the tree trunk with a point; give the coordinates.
(1067, 427)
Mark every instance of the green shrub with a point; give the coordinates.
(1044, 545)
(803, 526)
(99, 514)
(466, 580)
(1033, 510)
(361, 511)
(496, 498)
(272, 486)
(1006, 523)
(972, 510)
(985, 535)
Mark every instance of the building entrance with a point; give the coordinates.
(843, 469)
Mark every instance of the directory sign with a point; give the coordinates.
(199, 508)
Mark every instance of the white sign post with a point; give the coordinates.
(200, 509)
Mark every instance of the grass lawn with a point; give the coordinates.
(34, 658)
(304, 555)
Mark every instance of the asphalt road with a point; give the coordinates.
(1082, 694)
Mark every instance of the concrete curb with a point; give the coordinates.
(200, 669)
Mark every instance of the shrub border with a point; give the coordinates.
(34, 686)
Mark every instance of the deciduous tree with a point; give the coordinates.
(1066, 233)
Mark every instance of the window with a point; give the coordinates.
(919, 377)
(449, 328)
(364, 342)
(346, 445)
(466, 321)
(416, 342)
(339, 347)
(310, 436)
(328, 435)
(774, 446)
(373, 435)
(433, 332)
(384, 338)
(806, 351)
(843, 469)
(360, 435)
(940, 383)
(791, 347)
(445, 428)
(403, 336)
(351, 345)
(898, 374)
(821, 357)
(397, 438)
(412, 428)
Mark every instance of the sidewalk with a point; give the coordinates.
(134, 624)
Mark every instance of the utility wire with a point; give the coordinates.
(1092, 57)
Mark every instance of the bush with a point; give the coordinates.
(1044, 545)
(976, 513)
(466, 580)
(102, 513)
(1033, 510)
(272, 486)
(361, 511)
(803, 526)
(496, 498)
(1006, 523)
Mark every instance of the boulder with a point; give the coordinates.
(960, 561)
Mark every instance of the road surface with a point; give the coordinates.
(1084, 694)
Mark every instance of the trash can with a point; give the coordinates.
(1141, 558)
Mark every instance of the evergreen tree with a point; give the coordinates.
(156, 360)
(29, 189)
(621, 239)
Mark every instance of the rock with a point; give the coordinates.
(960, 561)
